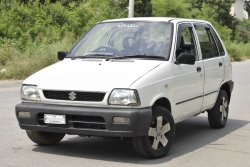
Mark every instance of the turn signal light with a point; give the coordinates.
(125, 120)
(24, 114)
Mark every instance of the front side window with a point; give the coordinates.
(186, 41)
(126, 39)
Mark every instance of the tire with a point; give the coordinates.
(44, 138)
(218, 115)
(157, 144)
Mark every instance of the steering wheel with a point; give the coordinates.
(107, 48)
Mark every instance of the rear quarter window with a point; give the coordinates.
(221, 49)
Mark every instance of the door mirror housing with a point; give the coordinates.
(185, 58)
(61, 55)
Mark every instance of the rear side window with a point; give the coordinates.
(221, 50)
(207, 43)
(215, 50)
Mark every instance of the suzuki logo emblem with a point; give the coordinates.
(72, 96)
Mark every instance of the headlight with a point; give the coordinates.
(124, 97)
(30, 92)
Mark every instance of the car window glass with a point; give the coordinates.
(98, 38)
(159, 36)
(206, 48)
(118, 35)
(126, 39)
(151, 40)
(222, 52)
(186, 40)
(215, 50)
(159, 33)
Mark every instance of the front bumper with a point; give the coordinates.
(85, 117)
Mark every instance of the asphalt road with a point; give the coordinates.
(196, 144)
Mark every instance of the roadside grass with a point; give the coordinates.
(16, 64)
(238, 51)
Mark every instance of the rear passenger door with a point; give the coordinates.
(213, 64)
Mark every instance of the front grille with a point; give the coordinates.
(77, 121)
(89, 122)
(73, 96)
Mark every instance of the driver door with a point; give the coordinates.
(189, 79)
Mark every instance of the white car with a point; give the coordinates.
(130, 78)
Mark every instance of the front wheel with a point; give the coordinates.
(217, 116)
(160, 136)
(44, 138)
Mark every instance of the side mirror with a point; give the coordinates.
(185, 58)
(61, 55)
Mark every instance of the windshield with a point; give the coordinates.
(125, 39)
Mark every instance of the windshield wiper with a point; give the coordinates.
(146, 56)
(88, 56)
(116, 57)
(136, 56)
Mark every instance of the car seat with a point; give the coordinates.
(131, 46)
(182, 47)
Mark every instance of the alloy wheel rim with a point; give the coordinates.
(223, 109)
(158, 133)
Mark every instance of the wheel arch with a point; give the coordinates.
(163, 102)
(226, 87)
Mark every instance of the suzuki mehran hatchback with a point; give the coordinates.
(130, 78)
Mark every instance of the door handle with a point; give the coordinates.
(198, 69)
(220, 64)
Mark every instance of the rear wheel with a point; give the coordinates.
(160, 136)
(44, 138)
(218, 115)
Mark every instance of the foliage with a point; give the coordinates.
(22, 64)
(170, 8)
(217, 11)
(209, 13)
(222, 8)
(247, 7)
(108, 9)
(44, 23)
(238, 51)
(242, 31)
(143, 8)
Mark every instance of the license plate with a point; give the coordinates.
(54, 119)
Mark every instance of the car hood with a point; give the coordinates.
(91, 74)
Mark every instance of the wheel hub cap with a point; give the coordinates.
(159, 133)
(223, 108)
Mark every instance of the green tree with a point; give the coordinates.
(108, 9)
(25, 23)
(143, 8)
(242, 33)
(209, 13)
(247, 7)
(63, 2)
(222, 9)
(170, 8)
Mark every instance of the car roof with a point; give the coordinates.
(156, 19)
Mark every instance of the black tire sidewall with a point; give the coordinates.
(214, 116)
(44, 138)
